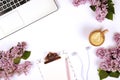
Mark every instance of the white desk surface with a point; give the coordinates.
(67, 29)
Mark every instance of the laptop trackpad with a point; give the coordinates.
(10, 23)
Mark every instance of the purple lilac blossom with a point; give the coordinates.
(101, 52)
(94, 2)
(78, 2)
(110, 56)
(101, 13)
(105, 65)
(114, 65)
(117, 38)
(7, 66)
(100, 7)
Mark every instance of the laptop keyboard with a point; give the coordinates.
(8, 5)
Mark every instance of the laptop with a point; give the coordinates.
(17, 14)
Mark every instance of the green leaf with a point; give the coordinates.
(26, 55)
(111, 6)
(103, 74)
(110, 2)
(114, 74)
(93, 8)
(109, 16)
(17, 60)
(110, 9)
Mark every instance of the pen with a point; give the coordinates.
(67, 69)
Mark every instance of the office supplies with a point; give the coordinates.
(17, 14)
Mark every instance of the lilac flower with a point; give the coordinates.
(101, 52)
(100, 7)
(114, 65)
(106, 65)
(95, 2)
(101, 13)
(23, 68)
(113, 52)
(110, 56)
(78, 2)
(116, 37)
(7, 66)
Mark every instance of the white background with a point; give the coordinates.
(67, 29)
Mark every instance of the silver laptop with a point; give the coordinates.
(16, 14)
